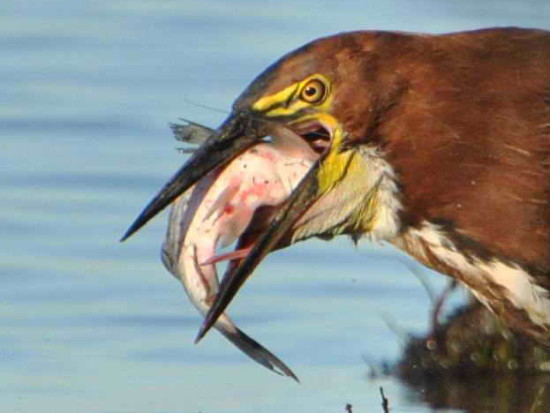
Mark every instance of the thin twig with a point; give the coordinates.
(385, 402)
(421, 276)
(437, 309)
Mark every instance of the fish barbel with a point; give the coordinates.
(213, 214)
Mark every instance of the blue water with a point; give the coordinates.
(91, 325)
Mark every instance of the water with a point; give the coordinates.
(91, 325)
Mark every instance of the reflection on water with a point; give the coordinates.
(485, 393)
(88, 324)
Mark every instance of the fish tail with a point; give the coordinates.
(258, 353)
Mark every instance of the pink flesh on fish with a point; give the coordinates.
(218, 210)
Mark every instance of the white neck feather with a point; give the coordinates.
(504, 280)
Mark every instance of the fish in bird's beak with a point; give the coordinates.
(239, 138)
(236, 200)
(253, 197)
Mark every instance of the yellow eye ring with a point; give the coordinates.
(314, 91)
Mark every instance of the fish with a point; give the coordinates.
(213, 214)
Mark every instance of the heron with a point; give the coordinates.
(437, 144)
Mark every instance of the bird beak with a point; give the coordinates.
(235, 135)
(296, 205)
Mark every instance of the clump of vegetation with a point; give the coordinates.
(472, 341)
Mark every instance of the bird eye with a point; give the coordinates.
(314, 91)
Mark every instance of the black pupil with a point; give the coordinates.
(311, 91)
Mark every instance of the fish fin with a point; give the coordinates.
(192, 132)
(258, 353)
(166, 258)
(169, 263)
(229, 256)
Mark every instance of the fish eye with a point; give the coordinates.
(313, 92)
